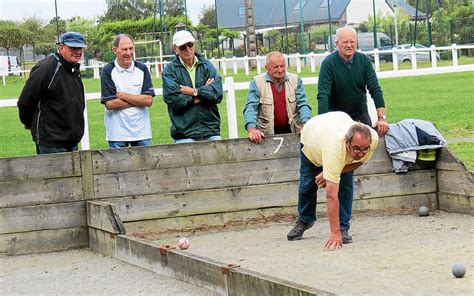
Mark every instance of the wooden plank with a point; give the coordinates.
(43, 241)
(403, 202)
(447, 161)
(142, 253)
(456, 182)
(218, 152)
(44, 166)
(188, 225)
(196, 177)
(87, 175)
(243, 281)
(102, 242)
(384, 185)
(103, 216)
(191, 154)
(190, 203)
(198, 270)
(380, 185)
(455, 203)
(37, 191)
(211, 222)
(393, 204)
(42, 217)
(179, 204)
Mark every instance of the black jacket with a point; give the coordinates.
(52, 103)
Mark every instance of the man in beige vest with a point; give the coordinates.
(276, 101)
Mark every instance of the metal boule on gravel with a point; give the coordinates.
(458, 270)
(423, 211)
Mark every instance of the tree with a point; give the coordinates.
(208, 16)
(33, 28)
(122, 10)
(57, 25)
(453, 22)
(174, 8)
(429, 6)
(10, 36)
(46, 43)
(229, 34)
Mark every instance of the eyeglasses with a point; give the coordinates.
(184, 46)
(358, 149)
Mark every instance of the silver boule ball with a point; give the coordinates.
(458, 270)
(423, 211)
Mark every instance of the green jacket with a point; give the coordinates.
(189, 120)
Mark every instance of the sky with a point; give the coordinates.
(45, 9)
(16, 10)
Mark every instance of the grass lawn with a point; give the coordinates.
(444, 99)
(14, 84)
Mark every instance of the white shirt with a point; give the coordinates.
(130, 124)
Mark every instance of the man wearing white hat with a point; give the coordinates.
(192, 89)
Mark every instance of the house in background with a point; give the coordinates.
(271, 13)
(359, 11)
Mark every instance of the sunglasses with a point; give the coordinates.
(184, 46)
(358, 149)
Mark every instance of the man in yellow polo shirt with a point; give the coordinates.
(331, 144)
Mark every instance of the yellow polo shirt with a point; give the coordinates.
(324, 144)
(191, 71)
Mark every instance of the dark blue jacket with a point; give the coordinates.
(190, 120)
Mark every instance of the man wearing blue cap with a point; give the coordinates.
(52, 104)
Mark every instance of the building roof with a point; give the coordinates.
(268, 13)
(407, 8)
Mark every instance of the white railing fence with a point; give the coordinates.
(230, 87)
(298, 60)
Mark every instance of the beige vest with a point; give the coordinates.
(265, 120)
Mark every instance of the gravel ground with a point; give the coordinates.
(390, 255)
(82, 272)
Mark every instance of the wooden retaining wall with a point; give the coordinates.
(455, 184)
(42, 204)
(175, 188)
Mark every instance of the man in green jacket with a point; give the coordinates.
(344, 79)
(192, 89)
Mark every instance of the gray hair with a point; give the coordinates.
(358, 128)
(269, 55)
(339, 30)
(117, 39)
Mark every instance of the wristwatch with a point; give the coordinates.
(195, 93)
(383, 117)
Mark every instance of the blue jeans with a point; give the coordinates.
(40, 149)
(123, 144)
(307, 193)
(189, 140)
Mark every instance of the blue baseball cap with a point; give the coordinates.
(72, 39)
